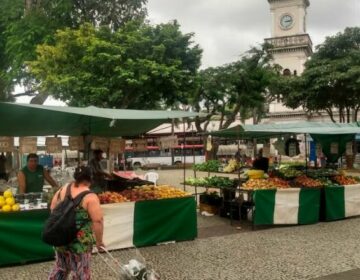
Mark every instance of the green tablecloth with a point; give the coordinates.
(286, 206)
(342, 202)
(152, 222)
(20, 237)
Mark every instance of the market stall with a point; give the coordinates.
(126, 225)
(305, 195)
(160, 215)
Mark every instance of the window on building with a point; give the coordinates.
(287, 72)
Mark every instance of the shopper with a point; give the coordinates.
(31, 177)
(75, 258)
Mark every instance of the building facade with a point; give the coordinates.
(291, 46)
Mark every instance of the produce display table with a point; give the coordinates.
(127, 224)
(342, 202)
(149, 222)
(20, 237)
(286, 206)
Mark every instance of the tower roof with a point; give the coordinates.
(306, 2)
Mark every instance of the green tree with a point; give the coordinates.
(331, 80)
(26, 24)
(138, 66)
(237, 89)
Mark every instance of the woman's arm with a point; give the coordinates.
(49, 179)
(55, 199)
(96, 216)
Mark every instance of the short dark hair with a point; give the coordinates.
(32, 155)
(82, 173)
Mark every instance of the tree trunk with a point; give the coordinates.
(198, 124)
(331, 115)
(222, 118)
(356, 113)
(232, 117)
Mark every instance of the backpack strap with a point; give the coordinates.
(79, 197)
(68, 190)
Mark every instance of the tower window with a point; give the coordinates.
(295, 73)
(287, 72)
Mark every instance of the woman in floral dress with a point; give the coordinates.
(74, 259)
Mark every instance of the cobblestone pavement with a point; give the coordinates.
(223, 252)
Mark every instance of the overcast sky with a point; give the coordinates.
(226, 28)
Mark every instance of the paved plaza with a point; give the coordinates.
(324, 251)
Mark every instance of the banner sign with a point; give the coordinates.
(168, 142)
(139, 145)
(28, 145)
(318, 150)
(334, 148)
(117, 146)
(76, 143)
(349, 148)
(6, 144)
(100, 143)
(53, 145)
(266, 150)
(249, 149)
(292, 149)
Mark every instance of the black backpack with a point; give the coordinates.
(60, 228)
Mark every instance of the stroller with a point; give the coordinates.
(135, 269)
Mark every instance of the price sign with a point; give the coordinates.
(266, 150)
(249, 149)
(139, 145)
(28, 145)
(100, 143)
(292, 149)
(318, 150)
(76, 143)
(6, 144)
(334, 148)
(117, 146)
(168, 142)
(53, 145)
(349, 148)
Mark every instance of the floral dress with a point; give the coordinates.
(75, 257)
(84, 239)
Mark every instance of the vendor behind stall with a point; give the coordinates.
(261, 163)
(31, 177)
(3, 174)
(98, 175)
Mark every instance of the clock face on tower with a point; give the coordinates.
(286, 21)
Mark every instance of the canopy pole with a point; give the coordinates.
(193, 151)
(306, 154)
(184, 164)
(238, 151)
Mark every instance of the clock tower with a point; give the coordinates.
(290, 44)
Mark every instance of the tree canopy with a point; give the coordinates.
(139, 66)
(26, 24)
(239, 88)
(331, 79)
